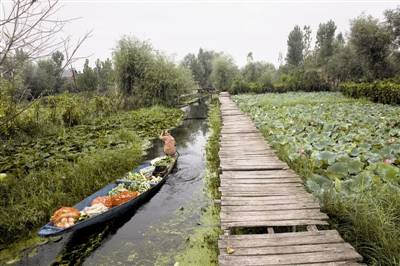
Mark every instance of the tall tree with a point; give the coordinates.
(392, 17)
(223, 73)
(87, 80)
(325, 40)
(205, 59)
(372, 42)
(295, 44)
(307, 40)
(191, 62)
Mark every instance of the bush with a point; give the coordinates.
(241, 86)
(379, 91)
(310, 80)
(146, 77)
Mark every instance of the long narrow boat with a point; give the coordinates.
(51, 230)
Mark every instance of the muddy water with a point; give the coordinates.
(152, 234)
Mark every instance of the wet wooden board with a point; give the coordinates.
(259, 190)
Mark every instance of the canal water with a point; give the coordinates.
(154, 233)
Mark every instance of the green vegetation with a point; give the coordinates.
(147, 77)
(52, 168)
(202, 248)
(348, 152)
(382, 91)
(369, 53)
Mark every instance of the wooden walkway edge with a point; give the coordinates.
(259, 190)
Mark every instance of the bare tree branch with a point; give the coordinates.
(31, 26)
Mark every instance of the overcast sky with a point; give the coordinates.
(235, 27)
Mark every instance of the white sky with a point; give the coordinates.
(180, 27)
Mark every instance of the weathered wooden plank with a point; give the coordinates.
(292, 249)
(268, 200)
(272, 215)
(292, 206)
(260, 174)
(259, 181)
(257, 202)
(282, 239)
(267, 186)
(288, 237)
(290, 259)
(260, 193)
(259, 223)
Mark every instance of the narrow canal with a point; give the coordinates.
(154, 233)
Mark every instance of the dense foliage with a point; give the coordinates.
(223, 72)
(146, 77)
(69, 162)
(380, 91)
(201, 66)
(348, 151)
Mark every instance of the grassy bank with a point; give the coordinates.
(348, 152)
(59, 168)
(202, 248)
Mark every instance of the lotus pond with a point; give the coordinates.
(348, 152)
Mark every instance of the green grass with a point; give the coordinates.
(60, 168)
(348, 153)
(202, 248)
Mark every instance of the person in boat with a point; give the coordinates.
(169, 143)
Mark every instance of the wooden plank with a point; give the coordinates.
(252, 187)
(259, 181)
(292, 206)
(267, 223)
(256, 202)
(290, 259)
(292, 249)
(290, 238)
(259, 174)
(272, 216)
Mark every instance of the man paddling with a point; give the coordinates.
(169, 143)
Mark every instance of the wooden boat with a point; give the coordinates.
(50, 230)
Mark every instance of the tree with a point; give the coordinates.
(307, 40)
(253, 71)
(325, 40)
(87, 80)
(33, 27)
(132, 58)
(392, 17)
(146, 77)
(205, 59)
(191, 62)
(105, 74)
(223, 73)
(295, 44)
(372, 42)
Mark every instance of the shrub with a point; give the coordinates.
(147, 77)
(379, 91)
(310, 80)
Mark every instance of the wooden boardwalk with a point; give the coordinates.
(259, 190)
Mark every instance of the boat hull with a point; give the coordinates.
(50, 230)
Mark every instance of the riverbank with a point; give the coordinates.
(202, 245)
(68, 166)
